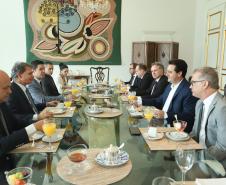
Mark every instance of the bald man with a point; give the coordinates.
(13, 132)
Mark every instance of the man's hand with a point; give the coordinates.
(52, 103)
(45, 114)
(38, 125)
(159, 113)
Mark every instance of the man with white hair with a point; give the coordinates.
(210, 121)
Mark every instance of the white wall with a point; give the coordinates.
(202, 8)
(138, 18)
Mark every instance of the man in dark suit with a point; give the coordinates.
(210, 120)
(177, 98)
(132, 71)
(20, 101)
(13, 132)
(145, 80)
(35, 88)
(48, 84)
(159, 83)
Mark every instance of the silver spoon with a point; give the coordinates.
(121, 146)
(33, 142)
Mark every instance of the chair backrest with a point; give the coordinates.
(225, 90)
(99, 74)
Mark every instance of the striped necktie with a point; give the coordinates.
(31, 101)
(3, 123)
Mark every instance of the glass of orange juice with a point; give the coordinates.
(49, 128)
(148, 114)
(74, 91)
(68, 101)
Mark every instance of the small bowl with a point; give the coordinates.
(77, 153)
(20, 175)
(162, 181)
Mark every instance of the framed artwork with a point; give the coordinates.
(72, 32)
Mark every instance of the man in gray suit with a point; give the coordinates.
(210, 113)
(35, 88)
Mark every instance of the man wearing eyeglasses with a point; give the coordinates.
(210, 112)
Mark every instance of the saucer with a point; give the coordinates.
(52, 139)
(123, 159)
(97, 111)
(37, 135)
(160, 135)
(58, 110)
(177, 136)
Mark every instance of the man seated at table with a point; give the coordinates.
(210, 112)
(49, 86)
(159, 83)
(177, 98)
(136, 80)
(20, 101)
(132, 70)
(13, 132)
(145, 80)
(35, 88)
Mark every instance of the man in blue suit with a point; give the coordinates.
(177, 98)
(35, 87)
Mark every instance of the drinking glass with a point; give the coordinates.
(49, 128)
(77, 154)
(148, 113)
(179, 125)
(68, 101)
(185, 160)
(162, 181)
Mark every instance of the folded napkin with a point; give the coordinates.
(219, 181)
(216, 166)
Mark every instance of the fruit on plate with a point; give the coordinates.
(17, 178)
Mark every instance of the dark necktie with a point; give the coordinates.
(153, 87)
(3, 124)
(200, 118)
(41, 85)
(31, 101)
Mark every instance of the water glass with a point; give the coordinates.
(162, 181)
(185, 160)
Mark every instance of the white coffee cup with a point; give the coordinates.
(111, 153)
(94, 107)
(152, 132)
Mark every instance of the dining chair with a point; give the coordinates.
(99, 74)
(225, 90)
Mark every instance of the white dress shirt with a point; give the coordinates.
(134, 78)
(206, 105)
(169, 99)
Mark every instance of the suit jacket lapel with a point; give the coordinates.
(176, 93)
(19, 90)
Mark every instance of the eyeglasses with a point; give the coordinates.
(196, 81)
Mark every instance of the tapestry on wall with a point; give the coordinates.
(73, 32)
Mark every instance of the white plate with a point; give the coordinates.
(99, 110)
(123, 159)
(177, 136)
(160, 135)
(57, 110)
(37, 135)
(52, 139)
